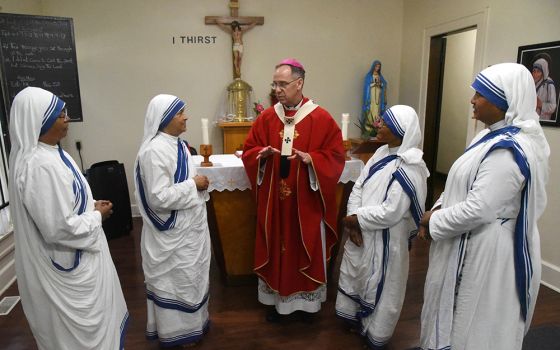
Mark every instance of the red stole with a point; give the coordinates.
(288, 247)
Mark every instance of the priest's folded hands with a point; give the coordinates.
(267, 152)
(304, 157)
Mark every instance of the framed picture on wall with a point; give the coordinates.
(543, 61)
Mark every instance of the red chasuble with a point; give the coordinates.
(288, 247)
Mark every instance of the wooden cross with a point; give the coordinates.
(227, 24)
(234, 8)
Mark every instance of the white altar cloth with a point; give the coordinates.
(228, 172)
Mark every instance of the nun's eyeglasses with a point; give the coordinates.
(64, 114)
(182, 113)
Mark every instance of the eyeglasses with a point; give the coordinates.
(64, 114)
(281, 84)
(182, 113)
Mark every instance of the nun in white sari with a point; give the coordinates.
(175, 236)
(546, 92)
(385, 205)
(69, 287)
(485, 264)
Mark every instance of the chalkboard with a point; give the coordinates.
(39, 51)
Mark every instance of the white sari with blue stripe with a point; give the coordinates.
(81, 270)
(485, 264)
(70, 291)
(388, 199)
(175, 242)
(481, 245)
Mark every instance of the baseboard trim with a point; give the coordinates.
(550, 276)
(7, 285)
(7, 261)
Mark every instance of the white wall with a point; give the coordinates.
(511, 23)
(21, 6)
(456, 93)
(126, 56)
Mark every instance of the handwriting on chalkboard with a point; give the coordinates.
(39, 51)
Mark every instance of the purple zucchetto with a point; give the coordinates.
(291, 62)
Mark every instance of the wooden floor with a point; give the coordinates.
(237, 319)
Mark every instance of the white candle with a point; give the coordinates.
(345, 121)
(205, 138)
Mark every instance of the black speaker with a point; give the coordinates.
(108, 181)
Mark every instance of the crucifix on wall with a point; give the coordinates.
(236, 26)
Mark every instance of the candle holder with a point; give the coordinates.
(347, 147)
(206, 152)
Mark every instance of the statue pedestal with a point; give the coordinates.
(235, 134)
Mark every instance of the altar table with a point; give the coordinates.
(232, 213)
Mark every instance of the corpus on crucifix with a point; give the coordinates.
(236, 31)
(238, 90)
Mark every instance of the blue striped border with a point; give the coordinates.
(186, 338)
(523, 261)
(490, 91)
(392, 123)
(170, 112)
(378, 166)
(53, 111)
(358, 300)
(181, 174)
(124, 329)
(408, 187)
(173, 304)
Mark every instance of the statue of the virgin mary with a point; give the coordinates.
(374, 102)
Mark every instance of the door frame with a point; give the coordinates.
(431, 82)
(478, 20)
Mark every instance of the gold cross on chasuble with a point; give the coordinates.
(281, 133)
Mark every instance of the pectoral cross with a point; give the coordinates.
(236, 26)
